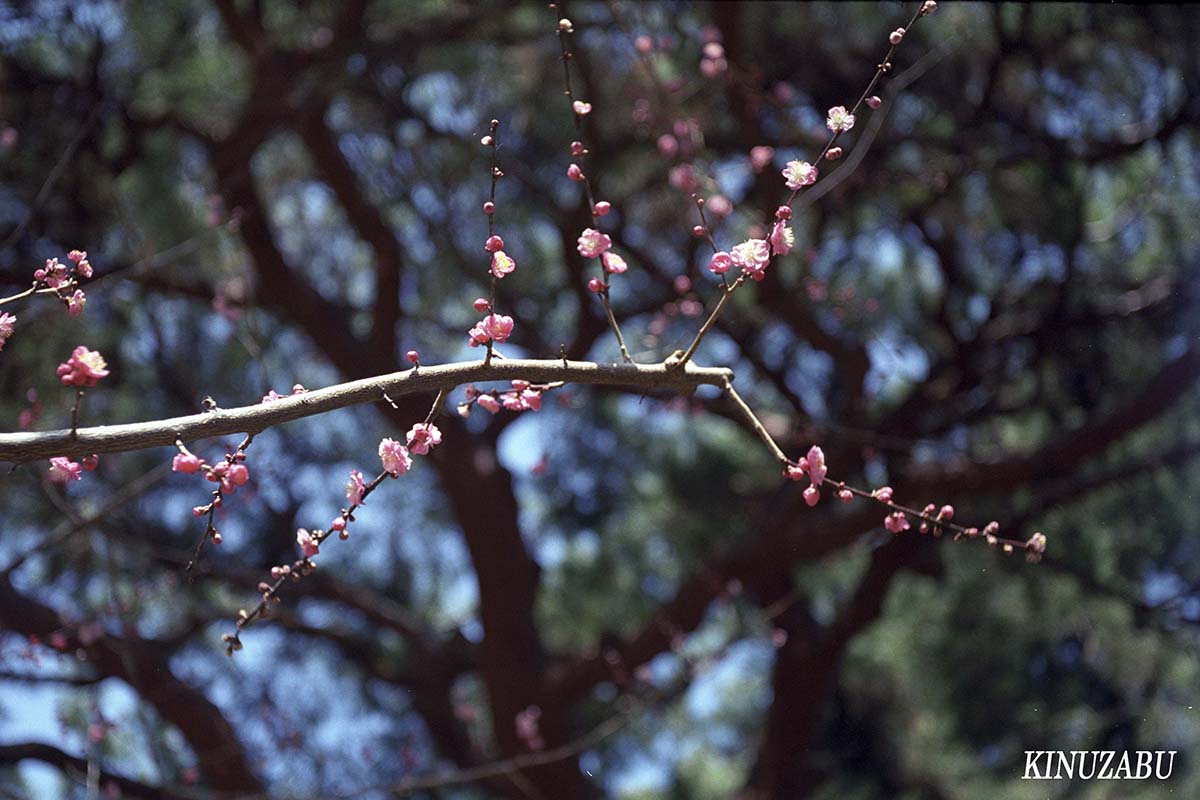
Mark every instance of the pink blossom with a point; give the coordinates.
(532, 399)
(493, 327)
(53, 274)
(394, 457)
(481, 304)
(186, 462)
(581, 108)
(592, 243)
(272, 396)
(668, 145)
(84, 368)
(883, 494)
(355, 486)
(896, 522)
(720, 263)
(238, 475)
(309, 545)
(799, 173)
(752, 256)
(1036, 543)
(816, 465)
(77, 256)
(840, 120)
(488, 402)
(7, 326)
(781, 239)
(76, 302)
(63, 469)
(502, 264)
(795, 472)
(84, 268)
(760, 157)
(613, 263)
(422, 437)
(602, 208)
(493, 244)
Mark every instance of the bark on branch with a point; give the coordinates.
(24, 447)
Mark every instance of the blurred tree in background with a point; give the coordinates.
(992, 303)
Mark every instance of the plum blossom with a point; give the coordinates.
(593, 243)
(486, 401)
(394, 457)
(798, 174)
(422, 437)
(84, 368)
(752, 256)
(76, 302)
(782, 239)
(613, 263)
(896, 522)
(186, 462)
(355, 486)
(816, 465)
(840, 120)
(7, 326)
(502, 264)
(720, 263)
(63, 469)
(309, 544)
(492, 328)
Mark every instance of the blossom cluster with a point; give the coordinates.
(930, 520)
(230, 474)
(524, 396)
(59, 279)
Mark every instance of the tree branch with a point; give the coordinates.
(24, 447)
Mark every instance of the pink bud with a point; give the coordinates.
(812, 496)
(602, 208)
(897, 36)
(481, 304)
(834, 153)
(699, 231)
(90, 462)
(873, 101)
(845, 495)
(489, 208)
(493, 244)
(783, 212)
(574, 172)
(338, 524)
(577, 148)
(595, 285)
(644, 44)
(413, 356)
